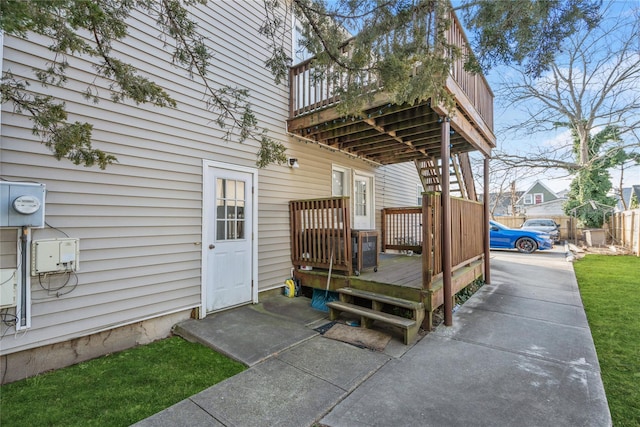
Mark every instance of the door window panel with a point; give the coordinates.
(230, 202)
(361, 197)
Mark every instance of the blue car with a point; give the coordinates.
(525, 241)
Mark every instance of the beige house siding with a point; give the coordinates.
(140, 221)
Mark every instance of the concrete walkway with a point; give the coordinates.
(520, 353)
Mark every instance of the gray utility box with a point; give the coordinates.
(365, 250)
(22, 204)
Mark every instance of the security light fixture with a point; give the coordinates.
(293, 163)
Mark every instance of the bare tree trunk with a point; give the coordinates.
(620, 188)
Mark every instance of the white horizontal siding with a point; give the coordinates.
(139, 221)
(396, 186)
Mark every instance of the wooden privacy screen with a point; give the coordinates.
(467, 222)
(321, 233)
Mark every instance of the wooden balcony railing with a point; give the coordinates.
(312, 89)
(474, 86)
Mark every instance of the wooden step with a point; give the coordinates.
(394, 320)
(398, 302)
(410, 327)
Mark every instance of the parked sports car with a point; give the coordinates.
(526, 241)
(545, 225)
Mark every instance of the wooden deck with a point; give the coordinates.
(321, 238)
(398, 276)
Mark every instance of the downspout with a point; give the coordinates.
(24, 270)
(487, 249)
(445, 155)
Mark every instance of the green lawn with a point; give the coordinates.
(115, 390)
(610, 289)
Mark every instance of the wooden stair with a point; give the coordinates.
(378, 302)
(460, 175)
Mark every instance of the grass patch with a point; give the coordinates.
(610, 290)
(115, 390)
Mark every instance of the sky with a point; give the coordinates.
(557, 181)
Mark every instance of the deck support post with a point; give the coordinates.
(445, 155)
(487, 250)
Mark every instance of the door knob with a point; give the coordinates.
(212, 246)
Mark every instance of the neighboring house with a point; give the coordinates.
(183, 224)
(501, 204)
(629, 194)
(553, 208)
(539, 200)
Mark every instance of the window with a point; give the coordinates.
(339, 181)
(419, 190)
(230, 199)
(534, 199)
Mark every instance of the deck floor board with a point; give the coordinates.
(397, 269)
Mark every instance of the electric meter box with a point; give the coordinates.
(22, 204)
(55, 256)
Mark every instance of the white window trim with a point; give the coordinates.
(528, 199)
(346, 184)
(541, 198)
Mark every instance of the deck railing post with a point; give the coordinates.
(487, 249)
(383, 230)
(445, 153)
(427, 227)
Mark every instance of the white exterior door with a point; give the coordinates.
(363, 209)
(228, 245)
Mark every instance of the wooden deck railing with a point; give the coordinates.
(402, 229)
(312, 89)
(321, 233)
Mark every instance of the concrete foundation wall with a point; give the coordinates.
(24, 364)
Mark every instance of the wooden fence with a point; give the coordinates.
(624, 229)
